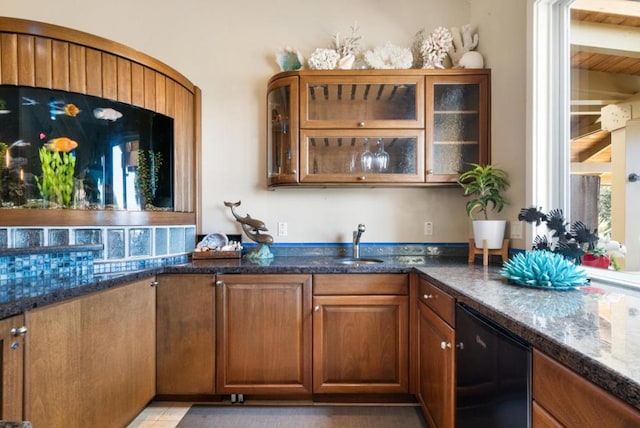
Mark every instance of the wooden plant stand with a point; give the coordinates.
(486, 252)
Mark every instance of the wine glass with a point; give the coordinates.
(381, 158)
(366, 157)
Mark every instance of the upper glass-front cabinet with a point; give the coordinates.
(361, 156)
(362, 102)
(282, 131)
(458, 116)
(381, 127)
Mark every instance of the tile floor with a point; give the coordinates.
(160, 414)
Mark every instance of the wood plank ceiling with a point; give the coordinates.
(590, 144)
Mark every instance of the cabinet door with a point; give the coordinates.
(436, 387)
(185, 339)
(282, 131)
(264, 334)
(360, 344)
(362, 157)
(91, 360)
(457, 124)
(361, 102)
(12, 332)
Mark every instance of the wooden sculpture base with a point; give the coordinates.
(486, 252)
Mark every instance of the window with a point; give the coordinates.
(570, 140)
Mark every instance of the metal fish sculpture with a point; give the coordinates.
(106, 114)
(251, 226)
(61, 144)
(57, 108)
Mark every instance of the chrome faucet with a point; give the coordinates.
(356, 240)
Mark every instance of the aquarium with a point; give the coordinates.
(67, 150)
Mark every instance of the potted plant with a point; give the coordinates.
(597, 257)
(485, 184)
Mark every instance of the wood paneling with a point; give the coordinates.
(60, 65)
(9, 58)
(94, 72)
(48, 56)
(109, 77)
(26, 60)
(149, 89)
(77, 69)
(137, 85)
(43, 61)
(17, 216)
(124, 80)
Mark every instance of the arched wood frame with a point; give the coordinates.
(48, 56)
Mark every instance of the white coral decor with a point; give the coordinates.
(389, 56)
(323, 59)
(435, 47)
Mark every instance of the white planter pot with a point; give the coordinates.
(491, 230)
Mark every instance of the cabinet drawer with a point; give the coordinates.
(360, 284)
(439, 301)
(574, 401)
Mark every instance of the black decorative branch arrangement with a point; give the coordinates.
(570, 240)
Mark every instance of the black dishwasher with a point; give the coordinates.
(493, 373)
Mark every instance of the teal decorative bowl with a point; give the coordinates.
(543, 269)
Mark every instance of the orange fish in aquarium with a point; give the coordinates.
(61, 144)
(71, 110)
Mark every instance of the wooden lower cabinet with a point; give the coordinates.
(263, 334)
(360, 334)
(185, 342)
(90, 361)
(436, 364)
(12, 331)
(564, 398)
(436, 354)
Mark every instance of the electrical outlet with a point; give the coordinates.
(516, 229)
(428, 228)
(282, 228)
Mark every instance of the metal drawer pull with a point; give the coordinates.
(317, 309)
(18, 331)
(460, 346)
(219, 283)
(428, 296)
(153, 283)
(445, 345)
(361, 124)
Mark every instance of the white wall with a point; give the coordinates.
(227, 49)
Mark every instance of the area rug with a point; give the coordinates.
(318, 416)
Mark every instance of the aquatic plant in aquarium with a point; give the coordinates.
(67, 150)
(56, 183)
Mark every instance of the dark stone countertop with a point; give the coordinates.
(594, 330)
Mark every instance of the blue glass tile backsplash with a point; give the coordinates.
(140, 242)
(27, 237)
(58, 237)
(161, 241)
(115, 244)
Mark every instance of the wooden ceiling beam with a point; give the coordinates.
(595, 149)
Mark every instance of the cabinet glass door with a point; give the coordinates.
(360, 156)
(357, 102)
(457, 116)
(282, 131)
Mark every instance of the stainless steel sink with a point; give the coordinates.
(358, 261)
